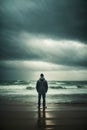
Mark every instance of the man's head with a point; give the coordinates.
(41, 75)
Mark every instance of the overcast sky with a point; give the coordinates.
(48, 36)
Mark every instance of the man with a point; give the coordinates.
(42, 87)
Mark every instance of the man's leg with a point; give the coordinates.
(44, 100)
(39, 99)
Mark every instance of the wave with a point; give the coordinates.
(29, 88)
(51, 84)
(80, 86)
(68, 87)
(14, 82)
(57, 87)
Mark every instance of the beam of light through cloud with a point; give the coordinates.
(44, 49)
(66, 52)
(35, 66)
(32, 69)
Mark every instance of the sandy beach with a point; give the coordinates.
(25, 116)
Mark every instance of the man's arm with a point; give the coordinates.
(46, 86)
(37, 86)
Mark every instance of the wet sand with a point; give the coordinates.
(25, 116)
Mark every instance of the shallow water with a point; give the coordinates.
(58, 92)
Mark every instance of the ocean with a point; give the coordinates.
(58, 91)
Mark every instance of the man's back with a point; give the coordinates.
(42, 86)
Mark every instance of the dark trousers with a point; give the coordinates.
(39, 99)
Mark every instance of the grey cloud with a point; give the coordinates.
(53, 19)
(60, 19)
(39, 48)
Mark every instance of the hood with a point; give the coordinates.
(42, 78)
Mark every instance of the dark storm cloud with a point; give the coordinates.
(12, 47)
(54, 19)
(37, 48)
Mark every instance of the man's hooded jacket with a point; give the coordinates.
(42, 86)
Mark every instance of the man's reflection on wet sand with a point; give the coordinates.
(41, 123)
